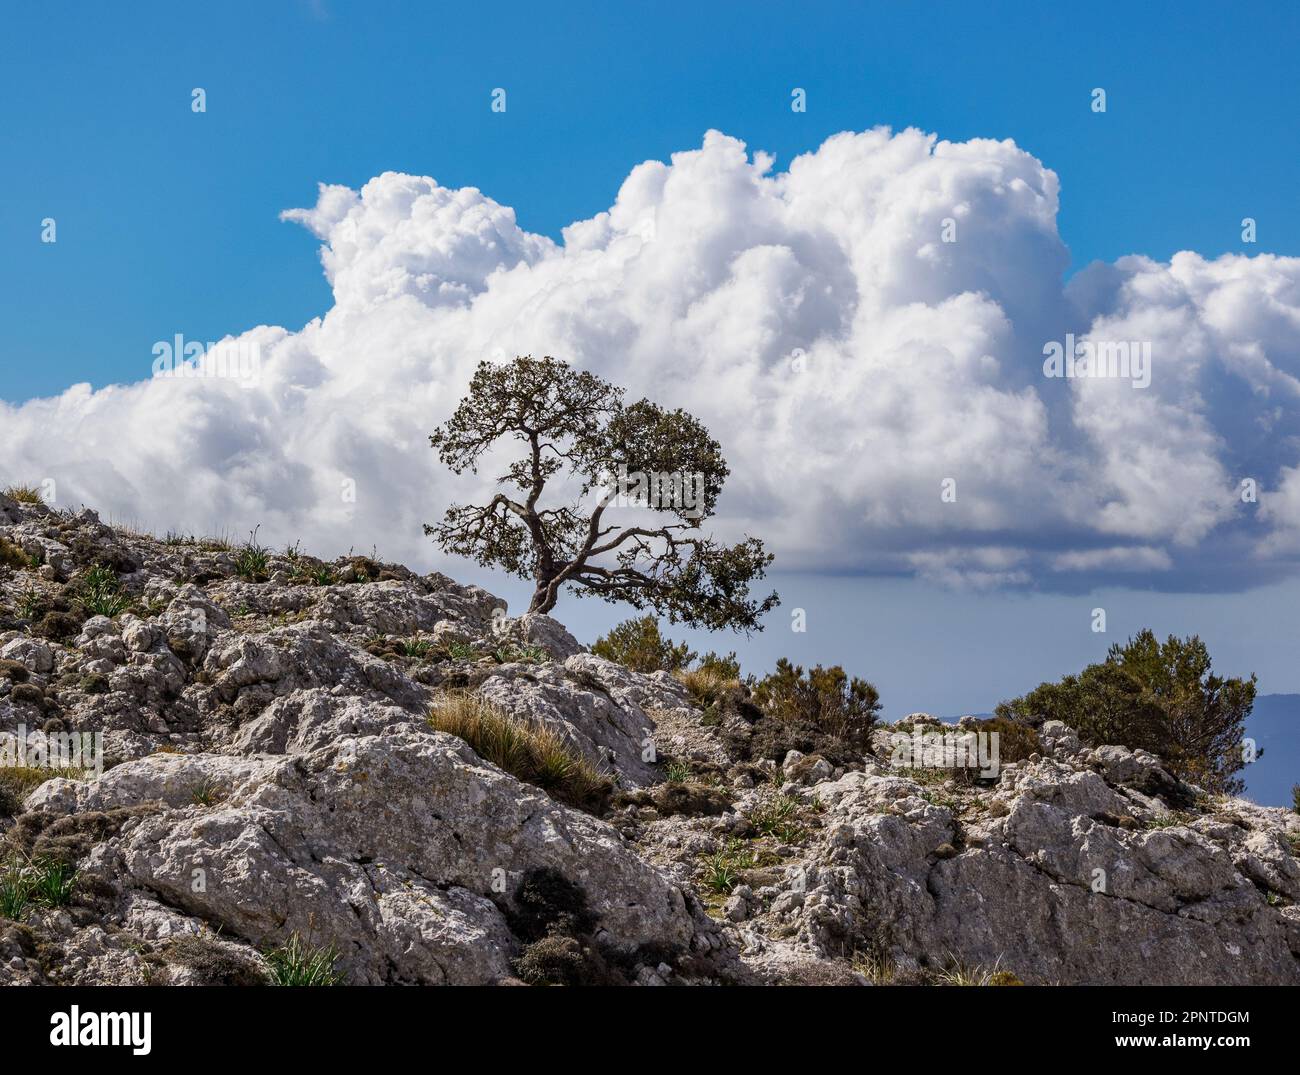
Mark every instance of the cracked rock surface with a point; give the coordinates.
(270, 775)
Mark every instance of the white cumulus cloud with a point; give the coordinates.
(864, 333)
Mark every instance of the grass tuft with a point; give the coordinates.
(207, 792)
(252, 559)
(25, 494)
(26, 883)
(101, 592)
(297, 963)
(531, 753)
(17, 781)
(706, 685)
(511, 653)
(779, 818)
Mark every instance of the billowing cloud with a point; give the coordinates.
(864, 332)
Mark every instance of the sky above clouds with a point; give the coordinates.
(650, 208)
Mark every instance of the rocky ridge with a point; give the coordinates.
(271, 777)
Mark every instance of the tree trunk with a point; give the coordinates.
(543, 598)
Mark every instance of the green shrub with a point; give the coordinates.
(1016, 741)
(727, 667)
(52, 883)
(1162, 698)
(459, 651)
(677, 772)
(415, 648)
(15, 892)
(531, 753)
(512, 652)
(638, 645)
(827, 710)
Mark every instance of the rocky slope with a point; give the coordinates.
(271, 779)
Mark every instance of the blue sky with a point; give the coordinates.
(169, 218)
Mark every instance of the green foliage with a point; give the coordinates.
(727, 668)
(52, 883)
(1160, 697)
(252, 560)
(1295, 798)
(707, 686)
(638, 645)
(28, 882)
(299, 963)
(101, 593)
(719, 875)
(779, 818)
(512, 652)
(460, 651)
(416, 648)
(15, 892)
(572, 423)
(677, 772)
(823, 700)
(722, 871)
(29, 603)
(207, 792)
(1016, 741)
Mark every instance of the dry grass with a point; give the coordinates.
(706, 685)
(18, 781)
(12, 555)
(25, 494)
(528, 752)
(958, 973)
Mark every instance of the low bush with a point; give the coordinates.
(1159, 697)
(826, 699)
(637, 644)
(821, 711)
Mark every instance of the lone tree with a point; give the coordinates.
(574, 425)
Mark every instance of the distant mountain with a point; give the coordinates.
(1274, 724)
